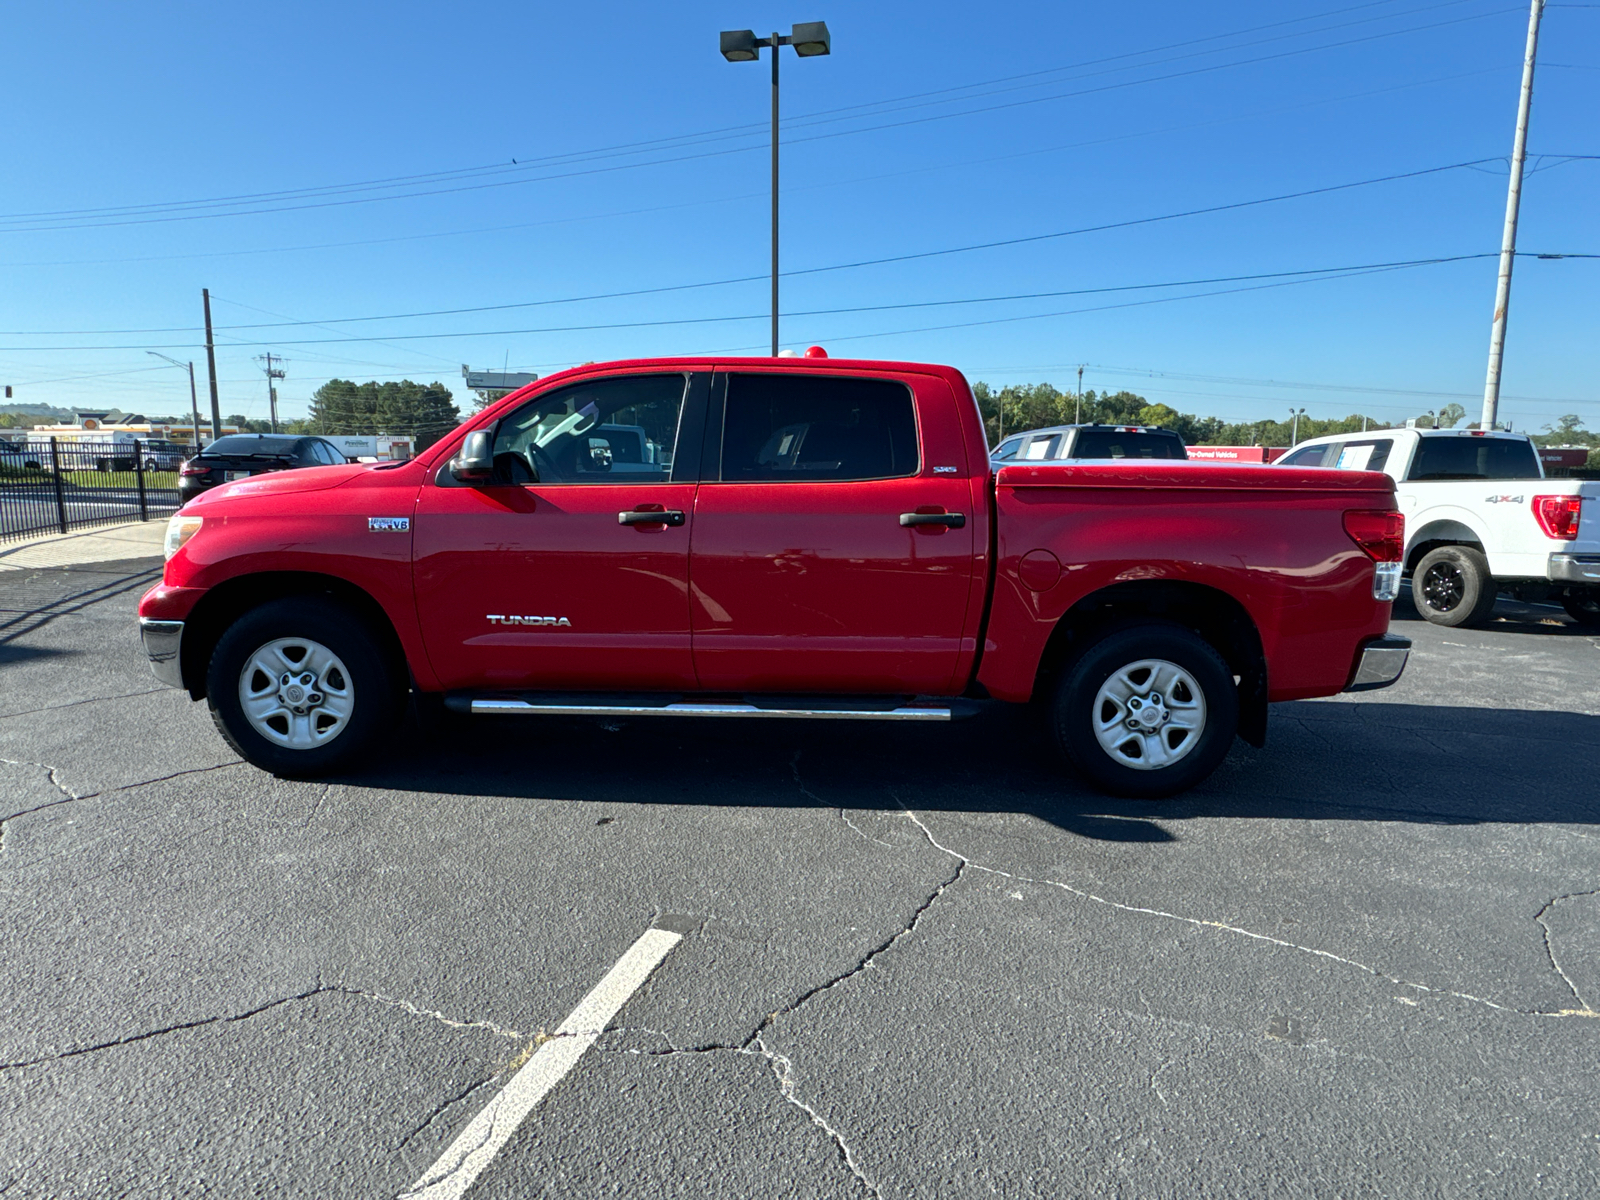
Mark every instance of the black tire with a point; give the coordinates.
(374, 685)
(1583, 607)
(1452, 587)
(1074, 719)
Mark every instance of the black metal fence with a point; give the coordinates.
(52, 486)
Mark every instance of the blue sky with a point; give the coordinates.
(641, 163)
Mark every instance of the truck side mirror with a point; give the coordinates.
(474, 462)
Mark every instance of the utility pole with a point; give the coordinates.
(211, 370)
(1508, 242)
(1077, 410)
(272, 392)
(775, 56)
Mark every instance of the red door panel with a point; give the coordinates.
(819, 587)
(613, 597)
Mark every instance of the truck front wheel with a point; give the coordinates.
(300, 687)
(1452, 586)
(1148, 711)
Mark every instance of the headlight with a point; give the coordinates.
(179, 530)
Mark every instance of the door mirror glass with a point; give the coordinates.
(474, 462)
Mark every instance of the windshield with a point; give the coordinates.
(241, 444)
(1474, 458)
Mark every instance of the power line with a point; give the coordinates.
(944, 166)
(1132, 222)
(66, 224)
(757, 127)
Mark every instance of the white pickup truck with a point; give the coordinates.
(1481, 519)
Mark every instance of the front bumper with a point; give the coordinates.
(1381, 662)
(1575, 568)
(163, 645)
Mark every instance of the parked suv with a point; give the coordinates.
(240, 455)
(1088, 442)
(1481, 519)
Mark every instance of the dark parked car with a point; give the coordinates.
(243, 454)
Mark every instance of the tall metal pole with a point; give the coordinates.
(1508, 243)
(776, 45)
(211, 368)
(194, 409)
(1077, 412)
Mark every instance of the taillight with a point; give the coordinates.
(1558, 516)
(1380, 533)
(191, 470)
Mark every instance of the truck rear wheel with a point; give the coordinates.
(1148, 711)
(301, 687)
(1452, 586)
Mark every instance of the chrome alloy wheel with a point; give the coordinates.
(296, 693)
(1149, 714)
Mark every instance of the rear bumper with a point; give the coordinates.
(163, 646)
(1574, 568)
(1380, 663)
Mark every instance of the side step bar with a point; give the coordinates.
(598, 706)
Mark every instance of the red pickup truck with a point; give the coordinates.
(808, 537)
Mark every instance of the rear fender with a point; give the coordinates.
(1213, 615)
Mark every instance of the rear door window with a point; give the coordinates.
(809, 428)
(1444, 458)
(1107, 443)
(1042, 449)
(1310, 456)
(1368, 455)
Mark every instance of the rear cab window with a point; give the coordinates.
(1115, 443)
(817, 428)
(1467, 457)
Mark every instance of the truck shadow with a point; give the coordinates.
(1510, 616)
(1324, 761)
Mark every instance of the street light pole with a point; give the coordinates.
(1294, 429)
(741, 45)
(1508, 240)
(194, 402)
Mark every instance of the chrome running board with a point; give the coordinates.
(683, 709)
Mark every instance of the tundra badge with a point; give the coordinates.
(497, 619)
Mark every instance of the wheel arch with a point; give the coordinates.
(1209, 612)
(1441, 531)
(225, 603)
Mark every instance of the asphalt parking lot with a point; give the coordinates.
(916, 962)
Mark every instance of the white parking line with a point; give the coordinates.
(486, 1133)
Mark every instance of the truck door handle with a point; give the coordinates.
(652, 516)
(948, 520)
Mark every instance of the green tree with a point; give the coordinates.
(423, 412)
(1451, 415)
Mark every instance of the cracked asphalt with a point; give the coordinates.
(924, 962)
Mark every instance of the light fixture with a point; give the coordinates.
(739, 45)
